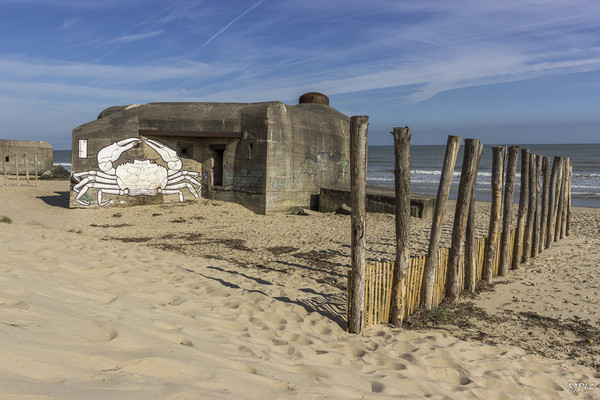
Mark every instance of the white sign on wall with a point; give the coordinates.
(82, 148)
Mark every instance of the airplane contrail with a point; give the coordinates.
(231, 23)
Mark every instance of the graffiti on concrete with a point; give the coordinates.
(324, 162)
(307, 166)
(344, 164)
(135, 177)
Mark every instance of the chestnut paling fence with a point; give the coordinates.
(544, 216)
(378, 286)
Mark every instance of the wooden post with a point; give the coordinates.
(36, 169)
(470, 247)
(560, 191)
(498, 155)
(17, 170)
(511, 172)
(523, 198)
(402, 185)
(439, 213)
(535, 243)
(545, 195)
(530, 210)
(552, 204)
(568, 232)
(26, 168)
(4, 166)
(455, 268)
(565, 197)
(358, 179)
(560, 188)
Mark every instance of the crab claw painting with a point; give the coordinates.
(135, 177)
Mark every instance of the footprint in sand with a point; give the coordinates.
(296, 338)
(354, 349)
(228, 325)
(6, 302)
(271, 320)
(377, 387)
(167, 326)
(289, 350)
(177, 300)
(441, 374)
(92, 331)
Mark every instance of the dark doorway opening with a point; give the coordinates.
(218, 165)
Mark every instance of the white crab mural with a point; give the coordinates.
(137, 177)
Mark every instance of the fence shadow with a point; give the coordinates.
(330, 306)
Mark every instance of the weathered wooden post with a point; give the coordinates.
(459, 230)
(552, 204)
(560, 192)
(470, 250)
(498, 155)
(439, 213)
(523, 199)
(402, 185)
(17, 170)
(26, 168)
(569, 194)
(560, 187)
(545, 195)
(359, 126)
(538, 209)
(4, 166)
(565, 198)
(511, 172)
(36, 169)
(531, 209)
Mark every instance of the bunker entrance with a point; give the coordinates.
(217, 169)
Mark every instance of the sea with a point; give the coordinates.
(427, 161)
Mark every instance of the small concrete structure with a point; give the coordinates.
(269, 157)
(378, 200)
(9, 149)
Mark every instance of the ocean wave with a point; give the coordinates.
(383, 179)
(425, 172)
(65, 165)
(586, 195)
(585, 187)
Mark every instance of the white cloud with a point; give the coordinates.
(135, 37)
(231, 23)
(14, 70)
(67, 23)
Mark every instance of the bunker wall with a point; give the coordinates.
(9, 149)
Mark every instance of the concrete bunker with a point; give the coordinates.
(21, 151)
(268, 156)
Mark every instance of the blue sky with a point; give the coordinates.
(506, 72)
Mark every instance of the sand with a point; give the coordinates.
(208, 300)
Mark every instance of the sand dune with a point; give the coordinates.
(226, 305)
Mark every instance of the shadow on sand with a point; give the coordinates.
(331, 306)
(60, 199)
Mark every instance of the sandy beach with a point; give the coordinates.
(207, 300)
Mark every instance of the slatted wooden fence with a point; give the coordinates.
(378, 286)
